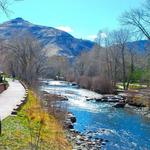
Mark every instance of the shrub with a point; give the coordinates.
(70, 78)
(85, 82)
(102, 85)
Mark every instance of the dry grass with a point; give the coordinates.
(55, 106)
(33, 128)
(138, 98)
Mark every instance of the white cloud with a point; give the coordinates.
(103, 35)
(65, 28)
(91, 37)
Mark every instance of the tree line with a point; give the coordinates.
(113, 59)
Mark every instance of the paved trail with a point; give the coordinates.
(10, 98)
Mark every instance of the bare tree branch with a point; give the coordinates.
(4, 4)
(139, 19)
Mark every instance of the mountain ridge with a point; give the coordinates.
(57, 42)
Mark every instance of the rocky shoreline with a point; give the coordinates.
(86, 140)
(81, 141)
(144, 111)
(124, 101)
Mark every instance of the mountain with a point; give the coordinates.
(56, 42)
(140, 46)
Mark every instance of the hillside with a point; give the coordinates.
(57, 42)
(140, 46)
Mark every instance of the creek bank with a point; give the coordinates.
(118, 100)
(79, 141)
(82, 141)
(111, 98)
(126, 100)
(138, 100)
(144, 111)
(123, 99)
(101, 116)
(47, 95)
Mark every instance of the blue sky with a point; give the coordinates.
(82, 18)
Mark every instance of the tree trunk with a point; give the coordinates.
(123, 68)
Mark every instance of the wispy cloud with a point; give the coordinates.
(103, 35)
(91, 37)
(65, 28)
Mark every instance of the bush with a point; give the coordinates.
(70, 77)
(97, 84)
(85, 82)
(102, 85)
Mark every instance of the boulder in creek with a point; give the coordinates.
(71, 117)
(68, 124)
(120, 105)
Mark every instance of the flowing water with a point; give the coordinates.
(123, 128)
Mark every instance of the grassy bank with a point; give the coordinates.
(32, 129)
(137, 94)
(132, 86)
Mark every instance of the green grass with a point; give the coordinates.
(15, 134)
(32, 129)
(131, 86)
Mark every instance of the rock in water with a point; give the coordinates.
(120, 105)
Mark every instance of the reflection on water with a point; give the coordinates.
(124, 129)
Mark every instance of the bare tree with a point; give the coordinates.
(121, 38)
(139, 19)
(4, 6)
(113, 58)
(26, 59)
(58, 67)
(132, 53)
